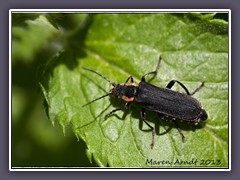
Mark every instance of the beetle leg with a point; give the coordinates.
(198, 88)
(160, 115)
(172, 82)
(131, 79)
(179, 130)
(118, 109)
(152, 128)
(153, 72)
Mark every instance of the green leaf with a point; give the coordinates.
(119, 45)
(30, 35)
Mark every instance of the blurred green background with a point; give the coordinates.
(35, 142)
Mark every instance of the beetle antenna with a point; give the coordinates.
(112, 83)
(96, 99)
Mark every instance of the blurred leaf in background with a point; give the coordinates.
(194, 48)
(35, 141)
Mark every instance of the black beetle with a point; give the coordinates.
(163, 101)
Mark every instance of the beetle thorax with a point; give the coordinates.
(121, 91)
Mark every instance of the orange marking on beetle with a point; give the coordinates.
(131, 84)
(127, 99)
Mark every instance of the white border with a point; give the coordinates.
(114, 11)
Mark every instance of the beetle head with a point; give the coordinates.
(116, 91)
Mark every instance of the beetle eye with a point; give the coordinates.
(116, 92)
